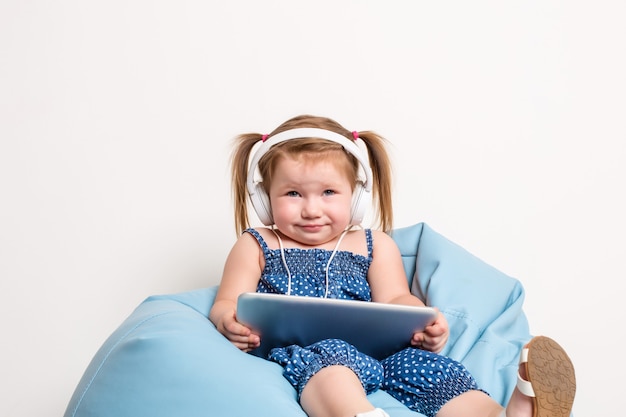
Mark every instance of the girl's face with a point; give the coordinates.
(311, 200)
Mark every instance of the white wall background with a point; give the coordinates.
(507, 121)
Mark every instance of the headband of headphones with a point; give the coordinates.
(299, 133)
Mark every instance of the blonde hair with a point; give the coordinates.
(317, 149)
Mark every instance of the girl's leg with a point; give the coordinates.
(426, 382)
(546, 387)
(334, 391)
(477, 403)
(332, 377)
(471, 404)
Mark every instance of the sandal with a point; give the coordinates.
(551, 379)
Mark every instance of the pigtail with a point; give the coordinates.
(382, 178)
(239, 174)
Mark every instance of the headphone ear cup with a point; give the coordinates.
(261, 204)
(361, 200)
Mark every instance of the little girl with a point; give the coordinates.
(310, 181)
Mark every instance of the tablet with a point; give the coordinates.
(376, 329)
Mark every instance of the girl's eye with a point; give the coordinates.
(329, 192)
(292, 193)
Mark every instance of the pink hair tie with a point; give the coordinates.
(355, 135)
(264, 138)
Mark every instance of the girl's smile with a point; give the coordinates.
(310, 199)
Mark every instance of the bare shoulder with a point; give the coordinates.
(267, 235)
(244, 246)
(383, 241)
(386, 275)
(263, 231)
(385, 250)
(242, 268)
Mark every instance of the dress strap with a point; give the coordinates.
(370, 242)
(259, 239)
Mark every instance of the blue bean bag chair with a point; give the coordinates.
(167, 358)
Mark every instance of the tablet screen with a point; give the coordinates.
(376, 329)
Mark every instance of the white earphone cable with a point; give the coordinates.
(282, 258)
(332, 255)
(330, 259)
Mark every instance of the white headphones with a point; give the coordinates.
(362, 191)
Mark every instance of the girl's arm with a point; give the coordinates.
(388, 283)
(242, 272)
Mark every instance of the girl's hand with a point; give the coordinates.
(238, 334)
(434, 336)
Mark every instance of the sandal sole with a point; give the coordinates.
(551, 374)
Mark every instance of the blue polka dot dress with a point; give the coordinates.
(421, 380)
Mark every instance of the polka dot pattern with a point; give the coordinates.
(300, 364)
(421, 380)
(425, 381)
(347, 274)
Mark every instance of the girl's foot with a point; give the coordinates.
(547, 376)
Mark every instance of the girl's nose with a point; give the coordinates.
(311, 208)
